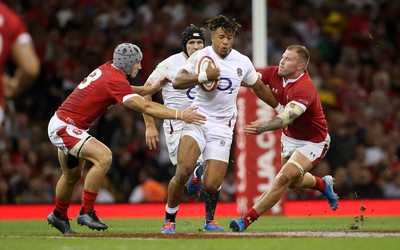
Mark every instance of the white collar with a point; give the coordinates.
(291, 80)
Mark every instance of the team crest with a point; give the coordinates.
(77, 131)
(239, 72)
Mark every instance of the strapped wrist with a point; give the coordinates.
(202, 78)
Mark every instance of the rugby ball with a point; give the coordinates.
(202, 65)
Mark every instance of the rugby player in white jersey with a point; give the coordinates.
(192, 40)
(214, 138)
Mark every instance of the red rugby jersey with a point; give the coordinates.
(309, 126)
(104, 87)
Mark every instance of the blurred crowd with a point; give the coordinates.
(355, 65)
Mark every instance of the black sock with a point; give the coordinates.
(211, 204)
(170, 217)
(56, 213)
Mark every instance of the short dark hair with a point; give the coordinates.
(220, 21)
(191, 32)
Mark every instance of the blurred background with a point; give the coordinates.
(355, 65)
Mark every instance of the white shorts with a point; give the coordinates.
(214, 139)
(66, 137)
(313, 151)
(173, 133)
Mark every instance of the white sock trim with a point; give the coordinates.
(171, 210)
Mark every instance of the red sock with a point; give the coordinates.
(62, 208)
(319, 184)
(88, 199)
(250, 217)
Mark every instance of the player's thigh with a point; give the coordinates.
(96, 152)
(188, 153)
(191, 144)
(219, 142)
(70, 172)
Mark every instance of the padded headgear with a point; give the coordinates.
(125, 56)
(191, 32)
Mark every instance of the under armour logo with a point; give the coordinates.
(249, 220)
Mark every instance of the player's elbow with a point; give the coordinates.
(177, 84)
(31, 70)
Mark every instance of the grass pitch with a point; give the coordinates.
(369, 233)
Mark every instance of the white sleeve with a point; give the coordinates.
(251, 75)
(190, 66)
(161, 70)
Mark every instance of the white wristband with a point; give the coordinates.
(279, 108)
(202, 78)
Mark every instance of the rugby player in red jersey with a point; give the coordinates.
(305, 139)
(15, 44)
(68, 131)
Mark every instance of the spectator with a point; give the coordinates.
(149, 189)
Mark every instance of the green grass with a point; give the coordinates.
(36, 234)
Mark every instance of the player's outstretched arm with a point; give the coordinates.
(148, 89)
(282, 120)
(264, 93)
(188, 115)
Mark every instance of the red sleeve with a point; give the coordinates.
(303, 93)
(119, 89)
(268, 75)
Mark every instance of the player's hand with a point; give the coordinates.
(152, 138)
(254, 128)
(190, 115)
(160, 83)
(212, 74)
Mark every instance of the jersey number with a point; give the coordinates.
(90, 78)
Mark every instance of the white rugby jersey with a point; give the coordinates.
(220, 104)
(173, 98)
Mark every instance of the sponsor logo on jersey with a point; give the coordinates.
(239, 71)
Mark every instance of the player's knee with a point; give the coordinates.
(295, 185)
(104, 161)
(282, 179)
(210, 188)
(72, 177)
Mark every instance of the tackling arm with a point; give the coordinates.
(154, 109)
(282, 120)
(149, 89)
